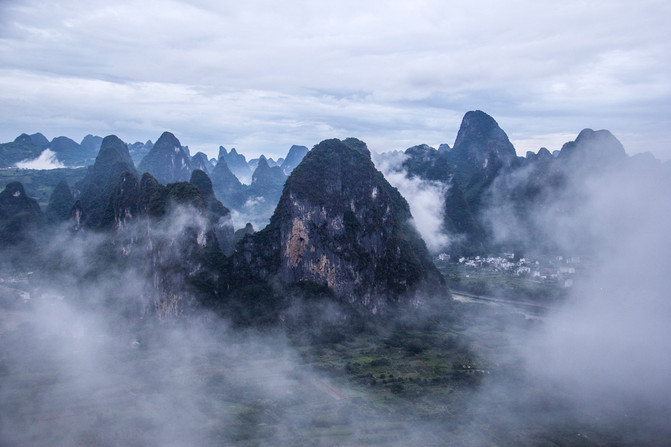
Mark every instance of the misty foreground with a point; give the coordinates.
(456, 373)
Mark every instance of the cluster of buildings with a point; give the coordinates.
(554, 268)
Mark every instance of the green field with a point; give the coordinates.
(500, 284)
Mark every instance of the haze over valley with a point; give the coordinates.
(459, 295)
(335, 223)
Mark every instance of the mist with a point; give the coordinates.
(97, 356)
(426, 199)
(91, 355)
(47, 160)
(603, 352)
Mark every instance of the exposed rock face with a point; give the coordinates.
(167, 161)
(123, 205)
(166, 233)
(219, 215)
(293, 158)
(481, 146)
(98, 185)
(341, 225)
(480, 152)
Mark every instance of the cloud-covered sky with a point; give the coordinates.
(262, 75)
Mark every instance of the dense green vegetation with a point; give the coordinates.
(40, 184)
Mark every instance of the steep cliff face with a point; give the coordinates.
(293, 158)
(219, 215)
(341, 225)
(165, 234)
(98, 185)
(167, 161)
(123, 204)
(480, 146)
(481, 150)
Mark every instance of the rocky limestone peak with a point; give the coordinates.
(112, 150)
(593, 147)
(13, 192)
(427, 163)
(340, 224)
(149, 186)
(98, 185)
(24, 138)
(420, 150)
(60, 203)
(91, 143)
(544, 154)
(219, 215)
(39, 140)
(226, 185)
(18, 214)
(444, 148)
(200, 161)
(481, 145)
(266, 175)
(167, 161)
(356, 144)
(71, 153)
(222, 152)
(237, 163)
(124, 201)
(203, 182)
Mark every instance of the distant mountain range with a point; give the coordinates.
(336, 225)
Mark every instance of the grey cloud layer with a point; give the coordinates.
(262, 78)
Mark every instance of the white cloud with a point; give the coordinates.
(46, 160)
(197, 69)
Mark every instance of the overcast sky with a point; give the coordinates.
(263, 75)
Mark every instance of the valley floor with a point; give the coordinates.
(73, 377)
